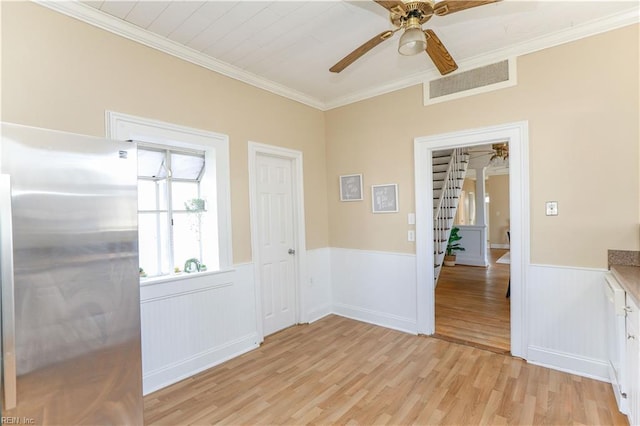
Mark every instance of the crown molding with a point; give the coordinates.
(125, 29)
(99, 19)
(557, 38)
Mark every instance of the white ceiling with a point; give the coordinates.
(287, 47)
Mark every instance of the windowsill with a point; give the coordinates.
(180, 277)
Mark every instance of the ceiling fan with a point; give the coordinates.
(499, 154)
(410, 16)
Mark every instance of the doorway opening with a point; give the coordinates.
(516, 134)
(472, 303)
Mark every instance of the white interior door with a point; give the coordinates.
(276, 242)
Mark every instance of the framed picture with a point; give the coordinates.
(351, 188)
(384, 198)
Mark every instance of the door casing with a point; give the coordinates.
(517, 135)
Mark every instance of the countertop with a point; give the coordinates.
(629, 279)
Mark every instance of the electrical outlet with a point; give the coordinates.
(411, 235)
(552, 208)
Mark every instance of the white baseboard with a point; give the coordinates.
(499, 246)
(383, 319)
(569, 363)
(471, 261)
(173, 373)
(319, 313)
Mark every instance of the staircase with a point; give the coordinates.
(449, 170)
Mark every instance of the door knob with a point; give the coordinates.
(291, 251)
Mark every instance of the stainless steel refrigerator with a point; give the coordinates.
(69, 268)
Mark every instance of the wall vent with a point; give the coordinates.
(478, 80)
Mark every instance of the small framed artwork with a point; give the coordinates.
(351, 188)
(384, 198)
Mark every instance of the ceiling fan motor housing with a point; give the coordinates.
(422, 10)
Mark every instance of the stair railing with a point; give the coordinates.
(442, 218)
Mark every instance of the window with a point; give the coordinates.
(184, 217)
(172, 212)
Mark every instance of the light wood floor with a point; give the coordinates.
(340, 371)
(471, 306)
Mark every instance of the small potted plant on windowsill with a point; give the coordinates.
(452, 246)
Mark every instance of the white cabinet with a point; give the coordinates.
(633, 360)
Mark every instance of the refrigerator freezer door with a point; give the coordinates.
(75, 256)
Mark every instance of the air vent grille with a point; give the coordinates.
(478, 80)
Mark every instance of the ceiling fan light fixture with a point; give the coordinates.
(500, 158)
(413, 40)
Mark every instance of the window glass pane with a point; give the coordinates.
(153, 241)
(186, 238)
(152, 195)
(146, 195)
(166, 242)
(151, 163)
(184, 192)
(184, 166)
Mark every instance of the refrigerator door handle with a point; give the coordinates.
(8, 307)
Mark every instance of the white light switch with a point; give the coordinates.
(411, 219)
(411, 235)
(552, 208)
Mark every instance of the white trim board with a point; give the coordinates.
(499, 246)
(166, 376)
(382, 319)
(125, 29)
(569, 363)
(517, 134)
(255, 149)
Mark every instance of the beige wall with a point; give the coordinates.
(581, 102)
(497, 187)
(63, 74)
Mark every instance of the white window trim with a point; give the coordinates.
(128, 127)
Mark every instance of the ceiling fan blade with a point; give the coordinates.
(439, 54)
(396, 7)
(447, 7)
(356, 54)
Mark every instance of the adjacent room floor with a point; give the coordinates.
(471, 306)
(341, 371)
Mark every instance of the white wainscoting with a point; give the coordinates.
(193, 324)
(474, 242)
(375, 287)
(565, 306)
(197, 323)
(567, 323)
(317, 289)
